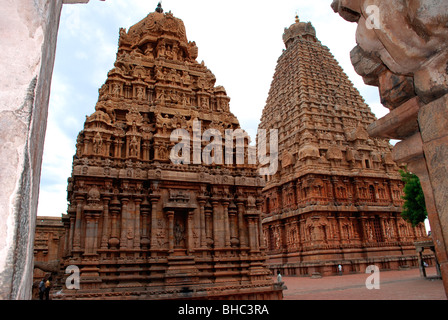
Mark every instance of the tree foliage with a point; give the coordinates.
(414, 208)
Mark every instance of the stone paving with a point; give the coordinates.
(393, 285)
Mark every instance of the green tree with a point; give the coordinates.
(414, 208)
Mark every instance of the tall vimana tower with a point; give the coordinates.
(141, 226)
(336, 198)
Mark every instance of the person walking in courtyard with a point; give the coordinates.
(47, 289)
(279, 277)
(340, 270)
(41, 289)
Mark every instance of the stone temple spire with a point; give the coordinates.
(148, 224)
(337, 192)
(299, 29)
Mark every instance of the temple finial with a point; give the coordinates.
(297, 18)
(159, 8)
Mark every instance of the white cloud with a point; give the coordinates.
(80, 55)
(56, 168)
(379, 110)
(53, 201)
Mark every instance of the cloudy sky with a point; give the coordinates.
(239, 41)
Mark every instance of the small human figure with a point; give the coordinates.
(47, 289)
(41, 289)
(279, 277)
(340, 269)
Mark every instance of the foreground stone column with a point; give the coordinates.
(403, 49)
(28, 32)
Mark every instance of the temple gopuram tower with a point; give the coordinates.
(141, 226)
(336, 197)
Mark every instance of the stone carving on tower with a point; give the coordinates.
(336, 198)
(140, 225)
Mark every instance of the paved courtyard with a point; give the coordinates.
(394, 285)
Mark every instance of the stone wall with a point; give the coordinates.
(48, 250)
(28, 30)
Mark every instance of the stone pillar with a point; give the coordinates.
(420, 262)
(105, 229)
(439, 272)
(170, 215)
(124, 223)
(233, 225)
(225, 203)
(364, 227)
(439, 230)
(241, 228)
(119, 149)
(258, 233)
(216, 240)
(208, 224)
(340, 231)
(116, 146)
(66, 223)
(154, 200)
(383, 228)
(29, 36)
(115, 211)
(137, 224)
(259, 227)
(90, 234)
(202, 222)
(108, 143)
(28, 33)
(77, 232)
(145, 213)
(253, 243)
(70, 237)
(389, 191)
(190, 238)
(433, 123)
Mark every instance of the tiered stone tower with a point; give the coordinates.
(140, 226)
(336, 198)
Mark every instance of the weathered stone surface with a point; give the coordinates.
(409, 149)
(410, 38)
(367, 66)
(348, 9)
(433, 127)
(433, 118)
(143, 223)
(395, 89)
(49, 242)
(336, 198)
(28, 33)
(400, 123)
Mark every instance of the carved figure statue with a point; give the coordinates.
(133, 150)
(178, 233)
(400, 46)
(97, 143)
